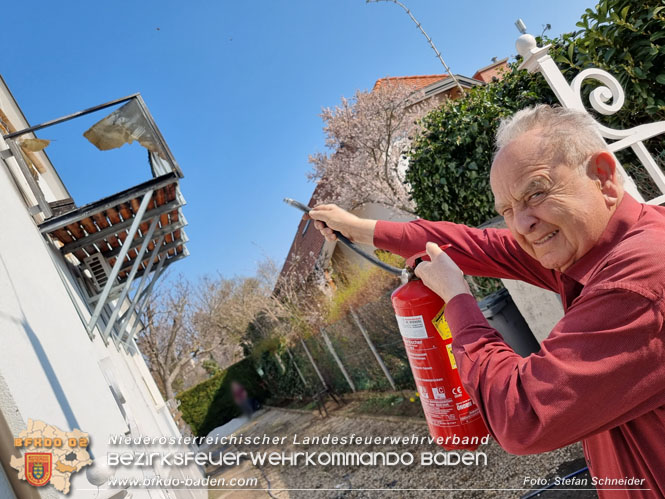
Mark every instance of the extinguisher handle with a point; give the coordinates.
(413, 261)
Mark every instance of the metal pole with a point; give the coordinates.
(279, 362)
(70, 116)
(130, 278)
(316, 368)
(293, 361)
(158, 273)
(44, 207)
(118, 263)
(356, 319)
(337, 359)
(124, 319)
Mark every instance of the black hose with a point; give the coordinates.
(344, 240)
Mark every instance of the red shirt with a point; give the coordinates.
(599, 376)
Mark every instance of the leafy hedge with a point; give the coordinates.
(450, 161)
(282, 384)
(210, 404)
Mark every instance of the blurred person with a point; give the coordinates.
(241, 399)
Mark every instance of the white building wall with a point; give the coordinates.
(47, 361)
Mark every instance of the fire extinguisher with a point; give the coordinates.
(452, 417)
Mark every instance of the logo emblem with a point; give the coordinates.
(38, 468)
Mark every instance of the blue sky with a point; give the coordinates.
(236, 89)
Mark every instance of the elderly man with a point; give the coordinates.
(600, 374)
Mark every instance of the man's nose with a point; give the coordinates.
(525, 221)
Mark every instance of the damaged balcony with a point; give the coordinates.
(124, 238)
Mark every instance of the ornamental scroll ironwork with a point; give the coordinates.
(606, 99)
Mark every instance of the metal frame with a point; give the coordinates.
(144, 110)
(158, 134)
(164, 249)
(144, 299)
(138, 219)
(32, 183)
(110, 202)
(130, 279)
(163, 264)
(113, 325)
(158, 233)
(124, 319)
(70, 116)
(185, 253)
(114, 229)
(34, 186)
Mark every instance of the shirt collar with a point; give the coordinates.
(625, 216)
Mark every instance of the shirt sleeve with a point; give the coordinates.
(601, 366)
(486, 252)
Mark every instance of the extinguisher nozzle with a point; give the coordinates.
(344, 240)
(296, 204)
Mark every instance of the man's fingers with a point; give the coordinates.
(421, 269)
(320, 210)
(326, 231)
(438, 260)
(433, 250)
(329, 234)
(318, 225)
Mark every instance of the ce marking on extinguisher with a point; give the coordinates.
(457, 392)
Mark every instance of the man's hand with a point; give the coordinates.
(441, 274)
(329, 217)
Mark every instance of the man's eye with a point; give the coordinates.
(536, 196)
(507, 212)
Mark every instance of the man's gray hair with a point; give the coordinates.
(570, 136)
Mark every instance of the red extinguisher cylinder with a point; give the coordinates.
(453, 419)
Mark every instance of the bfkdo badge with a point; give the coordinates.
(38, 468)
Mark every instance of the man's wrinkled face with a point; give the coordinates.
(555, 212)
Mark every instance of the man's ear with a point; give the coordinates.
(602, 169)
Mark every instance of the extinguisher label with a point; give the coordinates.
(464, 405)
(439, 392)
(441, 325)
(451, 357)
(412, 327)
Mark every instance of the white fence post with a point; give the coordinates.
(356, 319)
(311, 360)
(338, 360)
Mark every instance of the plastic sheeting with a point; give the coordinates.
(123, 126)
